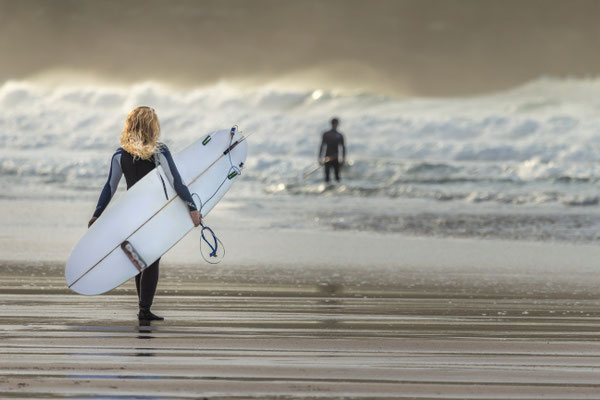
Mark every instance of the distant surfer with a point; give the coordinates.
(140, 153)
(329, 151)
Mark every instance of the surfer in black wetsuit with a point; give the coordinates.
(329, 151)
(140, 153)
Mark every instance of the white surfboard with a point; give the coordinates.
(142, 225)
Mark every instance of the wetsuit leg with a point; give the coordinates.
(145, 283)
(327, 168)
(137, 284)
(336, 169)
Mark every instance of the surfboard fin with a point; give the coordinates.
(133, 256)
(231, 147)
(232, 175)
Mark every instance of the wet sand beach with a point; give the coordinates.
(320, 333)
(294, 313)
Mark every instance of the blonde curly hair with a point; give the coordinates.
(141, 132)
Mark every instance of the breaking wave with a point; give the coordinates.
(539, 143)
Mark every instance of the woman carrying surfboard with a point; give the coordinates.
(140, 153)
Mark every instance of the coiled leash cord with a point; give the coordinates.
(216, 242)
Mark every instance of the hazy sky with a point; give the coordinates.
(414, 47)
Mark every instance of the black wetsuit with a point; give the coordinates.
(332, 141)
(123, 163)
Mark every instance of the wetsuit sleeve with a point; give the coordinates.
(173, 174)
(343, 147)
(322, 148)
(114, 176)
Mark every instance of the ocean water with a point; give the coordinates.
(520, 164)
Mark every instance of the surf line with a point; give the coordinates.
(231, 146)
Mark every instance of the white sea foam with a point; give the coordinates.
(537, 144)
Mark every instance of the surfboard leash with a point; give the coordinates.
(214, 247)
(216, 242)
(231, 173)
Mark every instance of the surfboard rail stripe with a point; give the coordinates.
(241, 139)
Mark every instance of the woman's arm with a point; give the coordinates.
(182, 190)
(110, 187)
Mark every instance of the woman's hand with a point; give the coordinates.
(196, 217)
(92, 221)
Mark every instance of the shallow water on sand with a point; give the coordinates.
(381, 334)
